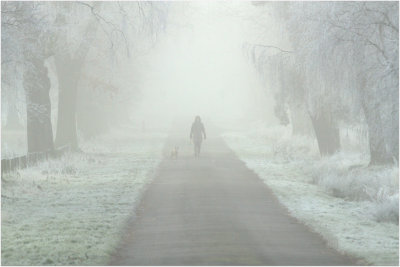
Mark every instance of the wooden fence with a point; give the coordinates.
(8, 165)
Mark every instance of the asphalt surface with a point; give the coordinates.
(213, 210)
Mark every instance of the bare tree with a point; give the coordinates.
(36, 31)
(25, 25)
(345, 60)
(69, 65)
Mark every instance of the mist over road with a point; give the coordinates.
(215, 211)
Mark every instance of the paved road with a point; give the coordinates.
(215, 211)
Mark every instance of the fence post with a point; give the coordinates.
(30, 159)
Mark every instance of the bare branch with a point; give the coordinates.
(269, 46)
(114, 27)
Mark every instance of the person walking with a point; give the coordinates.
(196, 135)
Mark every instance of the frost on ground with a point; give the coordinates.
(71, 211)
(354, 207)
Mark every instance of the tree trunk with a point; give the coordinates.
(92, 113)
(38, 106)
(392, 122)
(300, 120)
(394, 138)
(327, 133)
(68, 73)
(68, 76)
(379, 152)
(377, 145)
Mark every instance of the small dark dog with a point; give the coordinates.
(174, 152)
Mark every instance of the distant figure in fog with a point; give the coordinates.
(196, 135)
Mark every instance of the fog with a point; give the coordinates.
(199, 133)
(199, 68)
(75, 70)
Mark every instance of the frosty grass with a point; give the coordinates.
(71, 211)
(351, 222)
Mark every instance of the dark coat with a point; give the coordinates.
(197, 132)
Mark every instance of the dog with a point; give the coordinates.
(174, 152)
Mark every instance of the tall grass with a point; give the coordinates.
(345, 174)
